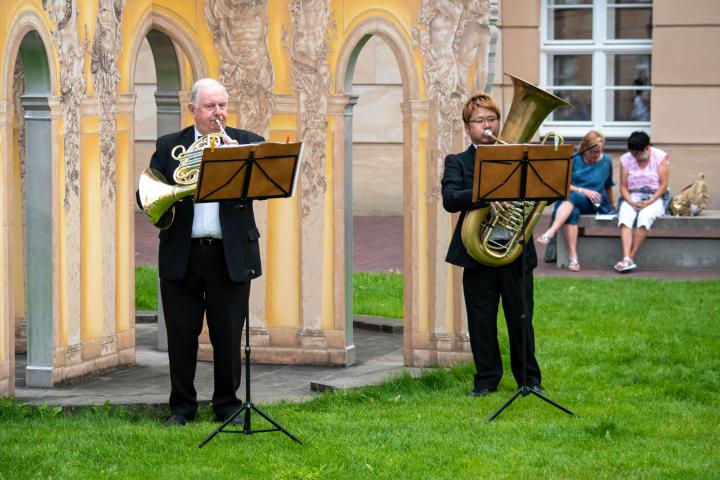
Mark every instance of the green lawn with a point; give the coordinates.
(637, 360)
(374, 294)
(146, 288)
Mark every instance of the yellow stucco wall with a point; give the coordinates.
(185, 23)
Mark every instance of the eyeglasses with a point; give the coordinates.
(480, 121)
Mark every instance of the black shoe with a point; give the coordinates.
(176, 420)
(480, 392)
(238, 421)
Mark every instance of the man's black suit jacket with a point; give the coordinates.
(237, 221)
(457, 187)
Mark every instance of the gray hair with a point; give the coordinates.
(202, 83)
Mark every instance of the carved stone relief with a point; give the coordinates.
(18, 91)
(472, 44)
(107, 43)
(239, 29)
(72, 88)
(308, 42)
(455, 34)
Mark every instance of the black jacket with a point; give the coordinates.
(237, 221)
(457, 187)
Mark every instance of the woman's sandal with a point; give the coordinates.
(625, 265)
(543, 239)
(574, 266)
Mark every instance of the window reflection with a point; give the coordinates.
(581, 109)
(630, 23)
(573, 70)
(572, 24)
(628, 88)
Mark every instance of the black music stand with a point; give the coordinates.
(243, 173)
(523, 172)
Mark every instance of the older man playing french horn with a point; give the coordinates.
(207, 257)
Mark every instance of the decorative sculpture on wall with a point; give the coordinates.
(472, 44)
(72, 89)
(18, 91)
(456, 34)
(239, 29)
(308, 42)
(106, 77)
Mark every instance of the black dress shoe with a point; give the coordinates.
(176, 420)
(238, 421)
(480, 392)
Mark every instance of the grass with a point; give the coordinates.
(374, 294)
(378, 294)
(638, 360)
(146, 285)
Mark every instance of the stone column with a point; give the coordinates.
(413, 112)
(168, 112)
(7, 351)
(453, 38)
(308, 46)
(344, 217)
(39, 242)
(106, 46)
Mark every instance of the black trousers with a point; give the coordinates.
(206, 289)
(483, 288)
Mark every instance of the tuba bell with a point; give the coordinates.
(157, 197)
(530, 106)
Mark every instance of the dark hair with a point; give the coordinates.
(638, 141)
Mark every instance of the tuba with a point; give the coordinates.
(530, 106)
(157, 196)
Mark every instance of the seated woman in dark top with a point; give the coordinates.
(590, 192)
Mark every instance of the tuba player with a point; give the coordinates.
(485, 285)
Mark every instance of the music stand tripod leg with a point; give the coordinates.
(247, 405)
(524, 389)
(505, 405)
(551, 402)
(247, 159)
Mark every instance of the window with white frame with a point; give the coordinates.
(596, 54)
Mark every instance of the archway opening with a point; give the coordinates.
(157, 84)
(31, 236)
(376, 169)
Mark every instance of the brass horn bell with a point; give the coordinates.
(157, 197)
(530, 106)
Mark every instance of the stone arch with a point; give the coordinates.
(411, 108)
(390, 33)
(26, 22)
(30, 41)
(168, 42)
(187, 44)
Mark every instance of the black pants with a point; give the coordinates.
(206, 288)
(484, 287)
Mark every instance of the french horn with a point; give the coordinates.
(157, 196)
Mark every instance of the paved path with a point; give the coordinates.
(148, 381)
(377, 243)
